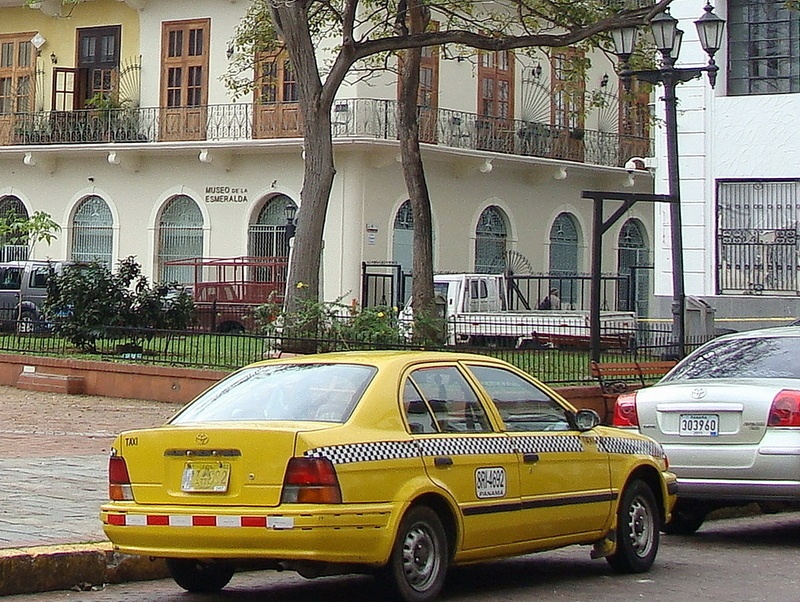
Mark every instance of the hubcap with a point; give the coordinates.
(642, 527)
(420, 562)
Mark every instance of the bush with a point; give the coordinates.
(86, 303)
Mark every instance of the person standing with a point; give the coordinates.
(551, 301)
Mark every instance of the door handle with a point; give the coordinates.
(530, 458)
(443, 461)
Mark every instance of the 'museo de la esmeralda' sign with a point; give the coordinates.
(225, 194)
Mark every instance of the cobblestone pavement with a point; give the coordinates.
(53, 462)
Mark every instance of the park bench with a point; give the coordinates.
(615, 378)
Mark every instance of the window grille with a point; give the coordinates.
(491, 240)
(92, 232)
(763, 47)
(633, 261)
(180, 236)
(757, 250)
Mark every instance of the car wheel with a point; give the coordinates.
(200, 577)
(687, 516)
(637, 530)
(418, 564)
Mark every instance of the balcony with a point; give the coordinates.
(353, 118)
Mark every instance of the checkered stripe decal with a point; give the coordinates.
(548, 443)
(465, 446)
(446, 446)
(624, 445)
(365, 452)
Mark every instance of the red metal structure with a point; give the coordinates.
(226, 290)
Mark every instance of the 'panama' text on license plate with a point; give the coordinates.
(211, 477)
(699, 425)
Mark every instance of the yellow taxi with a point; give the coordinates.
(400, 463)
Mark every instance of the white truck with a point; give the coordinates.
(476, 312)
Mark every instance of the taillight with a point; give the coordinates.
(119, 483)
(785, 410)
(311, 481)
(625, 414)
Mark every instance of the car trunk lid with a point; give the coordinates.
(211, 464)
(706, 412)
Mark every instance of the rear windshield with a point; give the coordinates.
(770, 357)
(305, 392)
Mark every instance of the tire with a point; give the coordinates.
(687, 516)
(418, 565)
(637, 530)
(198, 576)
(27, 322)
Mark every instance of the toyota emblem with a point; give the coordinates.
(202, 438)
(698, 393)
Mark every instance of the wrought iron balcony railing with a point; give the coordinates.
(361, 117)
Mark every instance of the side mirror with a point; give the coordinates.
(586, 420)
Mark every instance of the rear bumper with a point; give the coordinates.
(358, 534)
(738, 490)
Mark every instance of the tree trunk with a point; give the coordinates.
(425, 326)
(291, 22)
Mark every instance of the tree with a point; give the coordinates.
(87, 303)
(18, 230)
(367, 28)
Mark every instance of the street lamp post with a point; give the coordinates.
(667, 38)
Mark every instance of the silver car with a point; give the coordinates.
(728, 416)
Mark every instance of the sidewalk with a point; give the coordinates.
(53, 463)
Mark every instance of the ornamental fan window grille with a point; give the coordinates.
(13, 248)
(633, 261)
(564, 256)
(180, 236)
(267, 236)
(92, 232)
(491, 241)
(757, 250)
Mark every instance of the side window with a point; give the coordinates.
(522, 405)
(454, 404)
(418, 414)
(39, 277)
(10, 279)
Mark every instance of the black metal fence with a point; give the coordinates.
(559, 360)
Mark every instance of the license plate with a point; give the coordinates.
(209, 477)
(699, 425)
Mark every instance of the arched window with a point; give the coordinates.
(633, 261)
(180, 236)
(403, 238)
(267, 236)
(14, 248)
(564, 257)
(490, 241)
(92, 233)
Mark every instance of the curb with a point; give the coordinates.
(72, 566)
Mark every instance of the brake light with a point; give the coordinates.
(785, 410)
(625, 414)
(119, 483)
(311, 481)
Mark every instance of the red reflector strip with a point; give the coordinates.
(158, 520)
(254, 521)
(204, 521)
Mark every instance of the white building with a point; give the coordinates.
(740, 167)
(172, 167)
